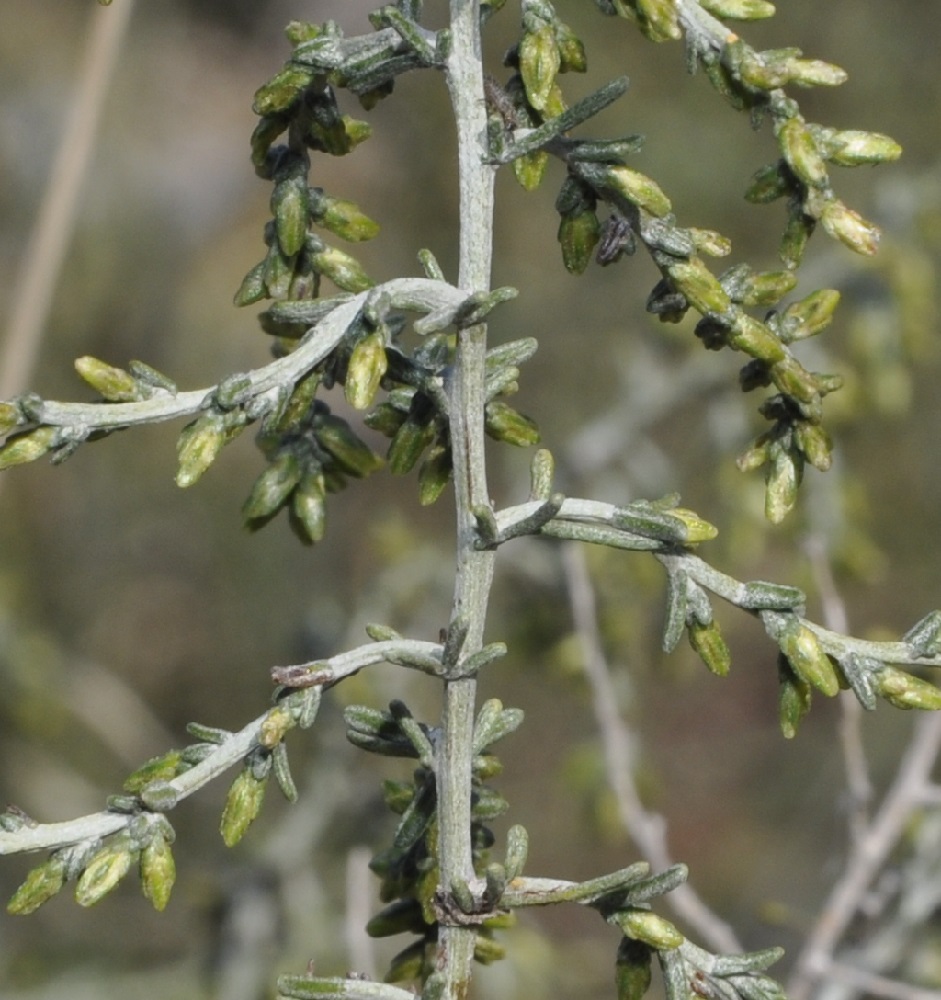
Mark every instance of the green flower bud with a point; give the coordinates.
(242, 805)
(648, 927)
(796, 235)
(699, 285)
(782, 480)
(404, 916)
(530, 168)
(352, 455)
(793, 379)
(853, 148)
(578, 236)
(308, 508)
(198, 447)
(811, 315)
(115, 384)
(799, 148)
(105, 870)
(850, 228)
(503, 423)
(815, 444)
(162, 768)
(754, 457)
(767, 287)
(253, 288)
(385, 418)
(27, 446)
(157, 871)
(793, 699)
(739, 10)
(298, 32)
(815, 73)
(342, 269)
(275, 726)
(344, 219)
(290, 205)
(282, 91)
(368, 363)
(434, 474)
(638, 189)
(697, 529)
(632, 970)
(659, 20)
(539, 62)
(278, 271)
(709, 242)
(42, 883)
(711, 647)
(409, 441)
(9, 418)
(756, 339)
(809, 661)
(572, 58)
(300, 402)
(357, 131)
(541, 472)
(264, 134)
(905, 691)
(763, 70)
(767, 185)
(487, 950)
(272, 488)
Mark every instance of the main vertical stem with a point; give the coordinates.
(466, 396)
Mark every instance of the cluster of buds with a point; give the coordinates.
(408, 868)
(659, 20)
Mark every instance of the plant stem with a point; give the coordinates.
(466, 398)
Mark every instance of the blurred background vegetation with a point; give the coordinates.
(128, 608)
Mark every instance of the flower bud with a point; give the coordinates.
(739, 10)
(272, 488)
(408, 442)
(756, 339)
(198, 447)
(711, 647)
(699, 286)
(809, 661)
(115, 384)
(578, 236)
(782, 480)
(697, 529)
(27, 446)
(164, 768)
(572, 58)
(793, 698)
(767, 185)
(503, 423)
(290, 205)
(282, 90)
(253, 288)
(41, 884)
(342, 269)
(799, 148)
(765, 288)
(539, 62)
(368, 363)
(308, 508)
(850, 228)
(105, 870)
(345, 219)
(816, 73)
(815, 444)
(853, 148)
(796, 235)
(648, 927)
(711, 243)
(811, 315)
(530, 168)
(353, 456)
(242, 805)
(906, 691)
(434, 474)
(638, 189)
(659, 20)
(157, 871)
(275, 726)
(632, 970)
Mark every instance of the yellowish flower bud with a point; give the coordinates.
(368, 363)
(539, 62)
(344, 270)
(654, 930)
(157, 871)
(105, 870)
(578, 236)
(799, 148)
(711, 647)
(850, 228)
(309, 508)
(639, 189)
(699, 285)
(853, 148)
(530, 169)
(42, 883)
(242, 805)
(115, 384)
(198, 447)
(27, 446)
(906, 691)
(809, 661)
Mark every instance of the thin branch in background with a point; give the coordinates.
(55, 219)
(869, 855)
(858, 782)
(647, 829)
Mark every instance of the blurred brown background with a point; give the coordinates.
(129, 607)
